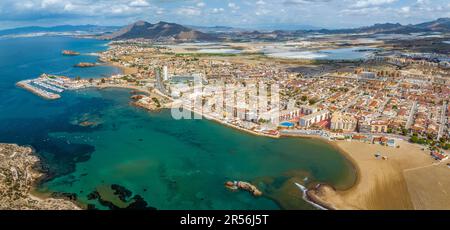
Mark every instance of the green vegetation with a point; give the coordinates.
(444, 143)
(304, 98)
(445, 146)
(341, 89)
(418, 140)
(128, 78)
(156, 101)
(312, 101)
(263, 121)
(404, 132)
(430, 141)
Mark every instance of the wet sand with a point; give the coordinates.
(389, 184)
(429, 187)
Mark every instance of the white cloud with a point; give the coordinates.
(217, 10)
(260, 2)
(233, 6)
(321, 13)
(139, 3)
(367, 3)
(260, 12)
(420, 2)
(189, 11)
(405, 9)
(361, 11)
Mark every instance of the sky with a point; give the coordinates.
(236, 13)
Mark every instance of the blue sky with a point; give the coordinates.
(237, 13)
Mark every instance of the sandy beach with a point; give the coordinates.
(408, 179)
(123, 69)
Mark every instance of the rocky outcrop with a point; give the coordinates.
(18, 174)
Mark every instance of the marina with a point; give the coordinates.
(50, 86)
(27, 84)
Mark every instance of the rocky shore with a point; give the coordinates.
(85, 65)
(19, 172)
(70, 53)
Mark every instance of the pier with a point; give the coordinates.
(49, 86)
(40, 92)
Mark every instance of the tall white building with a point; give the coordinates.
(165, 73)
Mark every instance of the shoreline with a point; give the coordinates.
(329, 201)
(323, 195)
(22, 172)
(385, 184)
(236, 127)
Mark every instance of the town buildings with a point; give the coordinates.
(343, 122)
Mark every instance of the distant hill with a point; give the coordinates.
(91, 29)
(439, 25)
(165, 31)
(161, 31)
(217, 29)
(284, 27)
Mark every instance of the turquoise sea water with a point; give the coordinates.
(171, 164)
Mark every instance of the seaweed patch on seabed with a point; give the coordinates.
(58, 155)
(60, 158)
(87, 120)
(171, 184)
(115, 197)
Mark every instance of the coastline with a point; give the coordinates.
(21, 173)
(383, 184)
(232, 125)
(355, 197)
(378, 185)
(128, 70)
(331, 199)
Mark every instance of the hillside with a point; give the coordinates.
(439, 25)
(161, 31)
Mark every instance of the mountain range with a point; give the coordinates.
(165, 31)
(159, 31)
(439, 25)
(93, 29)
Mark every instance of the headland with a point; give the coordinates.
(19, 172)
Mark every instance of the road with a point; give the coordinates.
(351, 103)
(411, 115)
(443, 120)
